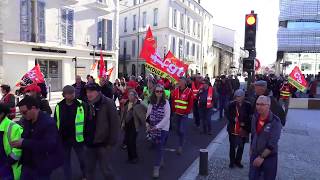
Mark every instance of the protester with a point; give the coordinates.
(182, 103)
(147, 90)
(80, 91)
(205, 105)
(10, 169)
(40, 143)
(70, 116)
(9, 100)
(158, 124)
(117, 90)
(101, 132)
(238, 114)
(133, 117)
(261, 89)
(225, 91)
(196, 86)
(265, 135)
(106, 87)
(315, 88)
(285, 94)
(35, 91)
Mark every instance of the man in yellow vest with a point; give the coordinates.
(285, 94)
(70, 115)
(9, 156)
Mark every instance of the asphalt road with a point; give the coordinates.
(174, 166)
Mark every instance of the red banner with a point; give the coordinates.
(170, 68)
(109, 72)
(33, 76)
(297, 79)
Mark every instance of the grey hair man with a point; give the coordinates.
(265, 135)
(261, 88)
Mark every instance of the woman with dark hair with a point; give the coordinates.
(158, 124)
(133, 116)
(9, 100)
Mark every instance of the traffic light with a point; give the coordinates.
(250, 31)
(248, 64)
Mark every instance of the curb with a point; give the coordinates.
(192, 172)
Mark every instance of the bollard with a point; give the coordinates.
(203, 162)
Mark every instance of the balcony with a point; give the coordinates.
(124, 57)
(101, 5)
(70, 2)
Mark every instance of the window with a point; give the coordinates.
(155, 17)
(193, 49)
(198, 52)
(134, 22)
(134, 2)
(125, 24)
(174, 18)
(194, 28)
(173, 45)
(101, 34)
(303, 25)
(181, 21)
(187, 49)
(199, 30)
(188, 24)
(306, 67)
(124, 48)
(133, 54)
(27, 32)
(104, 34)
(109, 35)
(67, 26)
(180, 48)
(144, 19)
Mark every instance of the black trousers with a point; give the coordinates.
(131, 140)
(236, 148)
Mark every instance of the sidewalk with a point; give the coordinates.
(298, 152)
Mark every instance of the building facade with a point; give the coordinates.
(299, 36)
(182, 26)
(1, 42)
(65, 37)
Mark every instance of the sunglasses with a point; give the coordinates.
(159, 91)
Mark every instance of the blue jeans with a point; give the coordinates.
(196, 115)
(160, 146)
(79, 150)
(223, 101)
(181, 127)
(205, 117)
(268, 169)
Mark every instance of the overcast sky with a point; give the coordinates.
(231, 14)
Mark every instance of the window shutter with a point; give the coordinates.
(109, 35)
(70, 27)
(41, 22)
(25, 20)
(64, 26)
(99, 32)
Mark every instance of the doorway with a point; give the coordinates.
(52, 72)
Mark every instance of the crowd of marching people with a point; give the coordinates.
(88, 121)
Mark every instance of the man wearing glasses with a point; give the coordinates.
(40, 143)
(265, 135)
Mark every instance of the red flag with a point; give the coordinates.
(102, 71)
(180, 64)
(33, 76)
(296, 78)
(149, 46)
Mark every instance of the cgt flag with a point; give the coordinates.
(155, 64)
(33, 76)
(297, 79)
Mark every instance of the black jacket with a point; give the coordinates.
(245, 115)
(107, 90)
(44, 105)
(42, 149)
(67, 119)
(83, 95)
